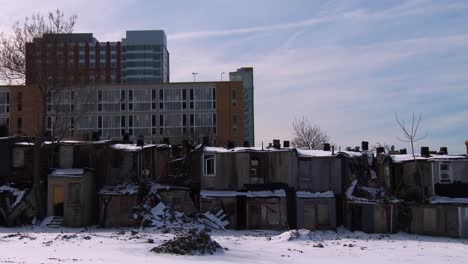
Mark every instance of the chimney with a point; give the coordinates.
(444, 150)
(286, 144)
(326, 147)
(140, 141)
(365, 145)
(403, 151)
(356, 149)
(425, 152)
(276, 143)
(231, 145)
(333, 150)
(466, 144)
(380, 150)
(246, 144)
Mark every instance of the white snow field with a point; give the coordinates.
(67, 245)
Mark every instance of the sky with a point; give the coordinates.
(347, 66)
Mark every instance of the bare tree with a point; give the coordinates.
(13, 45)
(13, 62)
(410, 133)
(308, 135)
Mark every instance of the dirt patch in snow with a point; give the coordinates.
(195, 242)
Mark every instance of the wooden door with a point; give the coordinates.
(58, 200)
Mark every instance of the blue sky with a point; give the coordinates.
(348, 66)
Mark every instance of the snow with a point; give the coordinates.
(121, 189)
(251, 194)
(50, 245)
(130, 147)
(241, 149)
(448, 200)
(323, 153)
(76, 142)
(328, 194)
(24, 144)
(408, 157)
(314, 153)
(67, 172)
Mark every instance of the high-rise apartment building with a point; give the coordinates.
(141, 57)
(156, 112)
(245, 75)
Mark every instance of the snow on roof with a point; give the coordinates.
(24, 143)
(76, 142)
(302, 194)
(408, 157)
(131, 147)
(67, 173)
(121, 189)
(448, 200)
(242, 149)
(323, 153)
(251, 194)
(447, 157)
(15, 192)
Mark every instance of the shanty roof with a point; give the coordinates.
(408, 157)
(243, 149)
(323, 153)
(303, 194)
(250, 194)
(448, 200)
(121, 189)
(67, 173)
(134, 147)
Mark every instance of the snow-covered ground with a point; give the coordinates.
(67, 245)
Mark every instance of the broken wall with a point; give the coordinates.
(316, 213)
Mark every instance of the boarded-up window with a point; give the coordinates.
(254, 168)
(271, 214)
(309, 216)
(66, 157)
(429, 217)
(322, 217)
(74, 191)
(18, 157)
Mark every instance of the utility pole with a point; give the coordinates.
(222, 75)
(194, 74)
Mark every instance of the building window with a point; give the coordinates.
(19, 125)
(20, 101)
(130, 95)
(122, 95)
(445, 172)
(130, 121)
(234, 122)
(234, 97)
(153, 120)
(99, 122)
(161, 95)
(191, 94)
(254, 168)
(184, 94)
(153, 95)
(99, 96)
(209, 165)
(122, 121)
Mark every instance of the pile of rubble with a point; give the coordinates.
(155, 212)
(195, 242)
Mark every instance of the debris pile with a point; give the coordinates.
(195, 242)
(155, 212)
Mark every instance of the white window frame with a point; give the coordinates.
(205, 167)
